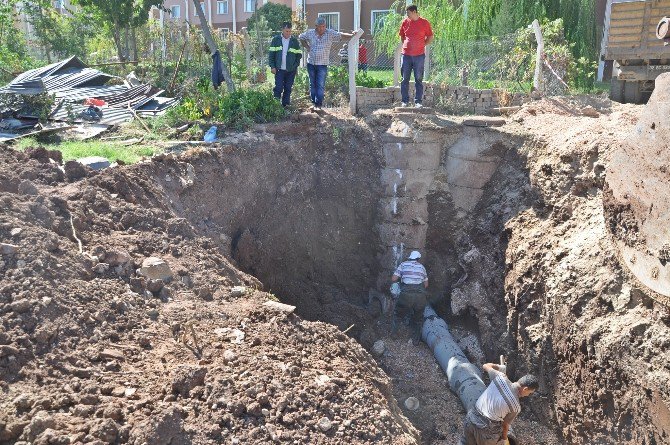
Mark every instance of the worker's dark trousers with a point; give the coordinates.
(479, 430)
(412, 300)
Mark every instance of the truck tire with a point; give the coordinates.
(616, 90)
(632, 93)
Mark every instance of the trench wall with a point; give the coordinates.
(461, 100)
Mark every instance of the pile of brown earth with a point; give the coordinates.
(93, 350)
(148, 332)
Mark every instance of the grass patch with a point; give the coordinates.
(82, 149)
(383, 74)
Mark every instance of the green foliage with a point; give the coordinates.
(81, 149)
(518, 64)
(60, 35)
(120, 18)
(456, 22)
(13, 52)
(274, 14)
(238, 110)
(364, 79)
(243, 107)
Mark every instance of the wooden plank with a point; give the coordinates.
(628, 6)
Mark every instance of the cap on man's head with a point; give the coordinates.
(286, 25)
(415, 255)
(320, 21)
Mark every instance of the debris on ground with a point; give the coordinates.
(83, 96)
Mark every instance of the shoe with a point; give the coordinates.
(404, 104)
(418, 105)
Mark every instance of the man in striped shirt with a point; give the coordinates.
(413, 284)
(488, 422)
(318, 42)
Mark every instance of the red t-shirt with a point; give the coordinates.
(362, 54)
(413, 34)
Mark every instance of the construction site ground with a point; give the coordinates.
(99, 345)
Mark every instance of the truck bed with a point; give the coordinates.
(630, 30)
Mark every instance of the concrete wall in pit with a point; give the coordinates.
(434, 174)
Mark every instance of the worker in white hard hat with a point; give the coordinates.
(413, 281)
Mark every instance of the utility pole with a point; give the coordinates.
(211, 44)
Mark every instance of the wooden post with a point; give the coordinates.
(397, 58)
(426, 66)
(247, 50)
(538, 81)
(212, 45)
(352, 50)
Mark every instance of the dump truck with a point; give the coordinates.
(630, 41)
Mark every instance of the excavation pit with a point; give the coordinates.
(317, 211)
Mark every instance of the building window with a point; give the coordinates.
(223, 32)
(202, 6)
(175, 11)
(377, 19)
(332, 19)
(249, 5)
(222, 7)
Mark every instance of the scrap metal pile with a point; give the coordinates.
(81, 96)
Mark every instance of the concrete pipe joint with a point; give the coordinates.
(465, 379)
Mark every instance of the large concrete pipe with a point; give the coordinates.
(465, 379)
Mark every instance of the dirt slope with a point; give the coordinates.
(600, 341)
(90, 352)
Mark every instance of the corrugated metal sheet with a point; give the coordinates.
(110, 115)
(71, 82)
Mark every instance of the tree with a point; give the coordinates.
(13, 52)
(59, 34)
(274, 13)
(121, 18)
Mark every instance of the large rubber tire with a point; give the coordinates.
(632, 93)
(616, 90)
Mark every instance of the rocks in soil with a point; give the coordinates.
(75, 171)
(8, 249)
(26, 187)
(238, 291)
(325, 424)
(185, 378)
(155, 268)
(163, 427)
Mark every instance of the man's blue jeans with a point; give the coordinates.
(409, 64)
(283, 84)
(317, 82)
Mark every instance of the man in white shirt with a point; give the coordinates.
(488, 422)
(413, 284)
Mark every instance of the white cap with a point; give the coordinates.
(415, 255)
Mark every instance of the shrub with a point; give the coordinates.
(245, 106)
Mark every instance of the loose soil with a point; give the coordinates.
(92, 352)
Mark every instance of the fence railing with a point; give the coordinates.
(175, 55)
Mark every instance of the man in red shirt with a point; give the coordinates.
(362, 56)
(415, 33)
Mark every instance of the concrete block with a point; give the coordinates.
(408, 210)
(392, 234)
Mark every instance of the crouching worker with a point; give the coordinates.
(488, 422)
(284, 59)
(413, 281)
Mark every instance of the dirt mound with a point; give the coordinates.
(600, 340)
(126, 317)
(101, 345)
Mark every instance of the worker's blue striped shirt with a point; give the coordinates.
(411, 272)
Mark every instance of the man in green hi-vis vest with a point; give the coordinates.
(284, 59)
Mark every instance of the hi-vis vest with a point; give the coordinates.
(292, 56)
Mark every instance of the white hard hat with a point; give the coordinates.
(415, 255)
